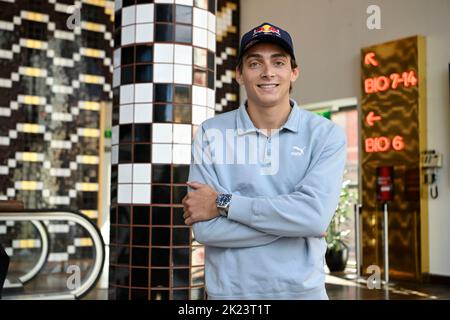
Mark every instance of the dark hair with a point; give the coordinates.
(293, 66)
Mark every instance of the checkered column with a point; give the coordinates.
(163, 84)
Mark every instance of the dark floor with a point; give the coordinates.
(342, 288)
(346, 288)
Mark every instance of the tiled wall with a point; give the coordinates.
(54, 82)
(164, 61)
(227, 89)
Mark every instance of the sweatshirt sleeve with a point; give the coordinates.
(220, 231)
(308, 210)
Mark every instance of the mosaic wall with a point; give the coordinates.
(228, 36)
(54, 81)
(163, 83)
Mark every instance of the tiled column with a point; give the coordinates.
(163, 85)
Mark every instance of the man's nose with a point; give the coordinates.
(267, 71)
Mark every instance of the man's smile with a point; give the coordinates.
(267, 86)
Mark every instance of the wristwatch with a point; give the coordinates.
(223, 203)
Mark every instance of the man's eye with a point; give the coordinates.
(253, 64)
(280, 63)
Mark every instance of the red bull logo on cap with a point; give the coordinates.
(267, 28)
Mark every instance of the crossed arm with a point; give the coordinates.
(306, 212)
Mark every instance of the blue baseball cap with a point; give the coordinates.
(266, 32)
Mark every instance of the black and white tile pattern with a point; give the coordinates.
(163, 83)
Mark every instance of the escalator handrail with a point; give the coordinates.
(45, 250)
(74, 216)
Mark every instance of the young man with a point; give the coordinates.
(263, 222)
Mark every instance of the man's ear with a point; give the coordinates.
(295, 74)
(239, 77)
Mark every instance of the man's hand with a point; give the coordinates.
(199, 205)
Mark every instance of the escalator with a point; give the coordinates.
(47, 275)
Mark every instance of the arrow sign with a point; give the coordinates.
(370, 59)
(371, 118)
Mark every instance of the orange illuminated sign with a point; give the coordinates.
(383, 144)
(381, 85)
(392, 126)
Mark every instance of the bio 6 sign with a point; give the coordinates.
(384, 144)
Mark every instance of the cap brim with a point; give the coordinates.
(268, 38)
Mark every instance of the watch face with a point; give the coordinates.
(223, 200)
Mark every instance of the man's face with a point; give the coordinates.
(267, 74)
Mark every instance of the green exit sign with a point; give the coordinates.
(324, 113)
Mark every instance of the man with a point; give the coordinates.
(263, 222)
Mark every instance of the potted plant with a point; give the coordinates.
(337, 249)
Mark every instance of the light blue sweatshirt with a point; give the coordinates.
(271, 245)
